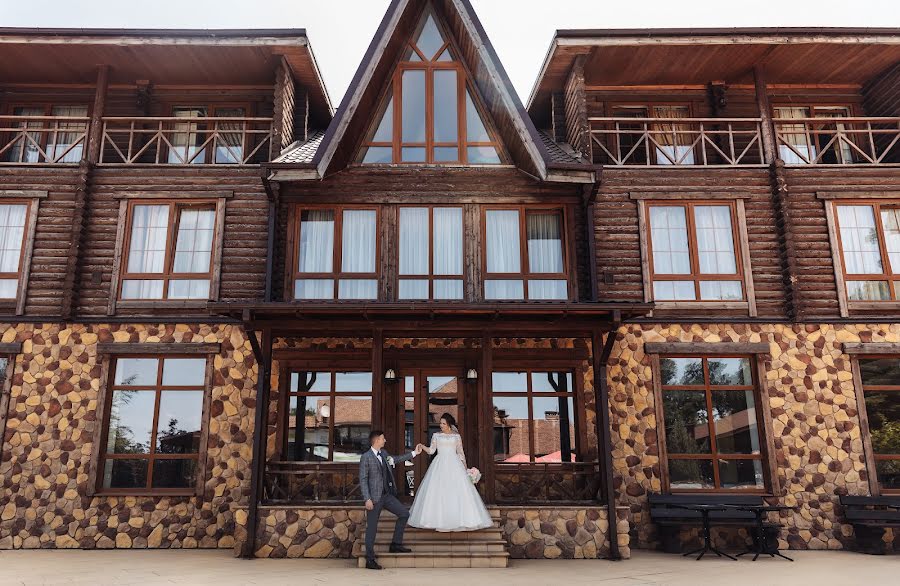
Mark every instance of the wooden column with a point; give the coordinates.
(486, 413)
(274, 190)
(604, 435)
(770, 149)
(95, 134)
(262, 350)
(379, 418)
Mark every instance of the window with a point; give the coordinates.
(672, 142)
(431, 253)
(692, 252)
(54, 141)
(869, 240)
(13, 217)
(534, 417)
(164, 264)
(329, 416)
(524, 255)
(429, 114)
(191, 138)
(153, 429)
(881, 391)
(712, 435)
(343, 238)
(806, 141)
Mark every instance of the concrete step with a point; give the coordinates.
(413, 535)
(442, 546)
(440, 560)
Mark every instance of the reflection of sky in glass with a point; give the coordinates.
(130, 422)
(514, 407)
(540, 383)
(350, 382)
(436, 383)
(179, 412)
(184, 372)
(322, 384)
(136, 371)
(507, 382)
(729, 371)
(681, 371)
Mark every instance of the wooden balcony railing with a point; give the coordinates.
(546, 482)
(708, 142)
(838, 141)
(310, 482)
(186, 141)
(34, 140)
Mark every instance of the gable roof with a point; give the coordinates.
(518, 133)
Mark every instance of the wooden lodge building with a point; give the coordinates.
(213, 284)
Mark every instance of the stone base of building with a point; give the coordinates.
(335, 532)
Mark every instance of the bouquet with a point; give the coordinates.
(474, 475)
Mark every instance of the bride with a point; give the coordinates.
(447, 499)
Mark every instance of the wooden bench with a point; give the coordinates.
(870, 517)
(670, 520)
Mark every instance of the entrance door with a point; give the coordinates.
(426, 395)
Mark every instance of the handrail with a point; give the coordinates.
(838, 140)
(41, 140)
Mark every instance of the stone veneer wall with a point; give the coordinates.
(814, 416)
(303, 532)
(49, 435)
(562, 532)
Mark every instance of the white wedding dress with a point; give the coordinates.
(447, 500)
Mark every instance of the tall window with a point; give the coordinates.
(881, 391)
(869, 236)
(672, 142)
(197, 141)
(693, 252)
(429, 114)
(712, 434)
(329, 416)
(431, 253)
(524, 255)
(153, 428)
(337, 254)
(12, 240)
(169, 264)
(534, 417)
(62, 141)
(807, 141)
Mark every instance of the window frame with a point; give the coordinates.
(868, 449)
(209, 155)
(123, 241)
(761, 400)
(525, 275)
(337, 274)
(9, 352)
(47, 132)
(394, 90)
(740, 237)
(651, 128)
(431, 277)
(813, 139)
(32, 200)
(102, 435)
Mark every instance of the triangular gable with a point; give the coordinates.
(361, 102)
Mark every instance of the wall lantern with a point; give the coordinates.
(472, 375)
(390, 376)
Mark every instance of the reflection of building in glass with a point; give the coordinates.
(511, 438)
(352, 420)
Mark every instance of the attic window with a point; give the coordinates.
(430, 115)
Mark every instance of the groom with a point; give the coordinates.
(376, 478)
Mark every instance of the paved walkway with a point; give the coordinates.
(196, 568)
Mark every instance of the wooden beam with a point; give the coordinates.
(765, 113)
(261, 349)
(856, 348)
(95, 132)
(487, 425)
(604, 432)
(159, 348)
(710, 348)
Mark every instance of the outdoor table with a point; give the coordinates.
(704, 511)
(760, 541)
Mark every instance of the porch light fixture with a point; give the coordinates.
(471, 375)
(390, 376)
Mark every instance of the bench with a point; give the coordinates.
(670, 520)
(870, 517)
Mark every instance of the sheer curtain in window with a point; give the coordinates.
(66, 135)
(673, 140)
(25, 146)
(862, 253)
(414, 252)
(448, 253)
(12, 231)
(187, 138)
(146, 251)
(545, 255)
(316, 254)
(671, 254)
(358, 243)
(230, 143)
(715, 252)
(795, 136)
(503, 254)
(193, 253)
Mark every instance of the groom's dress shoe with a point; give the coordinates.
(372, 565)
(399, 549)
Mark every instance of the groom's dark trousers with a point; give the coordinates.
(377, 482)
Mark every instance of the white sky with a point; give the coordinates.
(521, 30)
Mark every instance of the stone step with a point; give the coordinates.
(412, 535)
(440, 560)
(442, 546)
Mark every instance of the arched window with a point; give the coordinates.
(429, 115)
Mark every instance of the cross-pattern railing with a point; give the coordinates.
(186, 141)
(31, 140)
(709, 142)
(546, 482)
(838, 141)
(310, 482)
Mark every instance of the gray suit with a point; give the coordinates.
(377, 482)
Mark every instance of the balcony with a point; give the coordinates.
(133, 141)
(741, 142)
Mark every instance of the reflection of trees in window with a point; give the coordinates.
(881, 391)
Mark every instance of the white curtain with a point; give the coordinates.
(448, 241)
(149, 229)
(859, 240)
(187, 138)
(358, 254)
(669, 238)
(229, 145)
(193, 246)
(503, 243)
(544, 243)
(316, 254)
(715, 243)
(65, 139)
(12, 230)
(414, 247)
(890, 221)
(674, 140)
(24, 150)
(795, 136)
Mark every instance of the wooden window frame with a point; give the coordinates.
(754, 353)
(395, 91)
(813, 139)
(648, 111)
(525, 275)
(283, 433)
(32, 200)
(209, 154)
(101, 435)
(337, 274)
(175, 200)
(8, 351)
(581, 449)
(887, 199)
(739, 233)
(48, 111)
(431, 277)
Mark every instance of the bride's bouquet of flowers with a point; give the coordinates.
(474, 475)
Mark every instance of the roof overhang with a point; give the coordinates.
(681, 57)
(163, 57)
